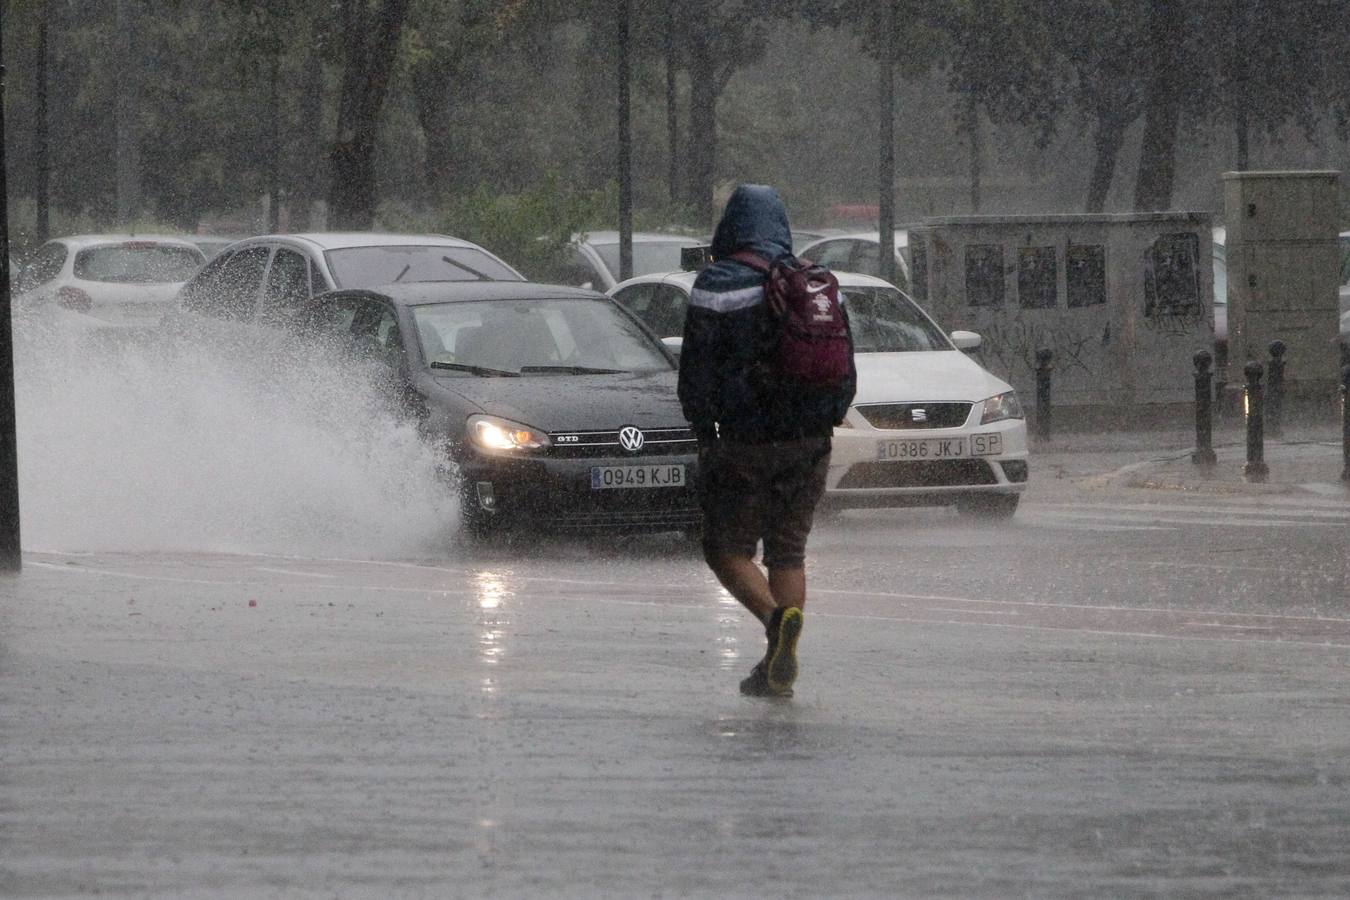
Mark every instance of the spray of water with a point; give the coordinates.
(217, 438)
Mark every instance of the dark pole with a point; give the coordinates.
(274, 148)
(625, 148)
(672, 111)
(1275, 391)
(1204, 411)
(10, 559)
(1345, 421)
(1045, 364)
(41, 141)
(1256, 468)
(886, 141)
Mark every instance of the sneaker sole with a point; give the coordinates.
(782, 667)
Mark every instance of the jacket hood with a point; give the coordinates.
(755, 220)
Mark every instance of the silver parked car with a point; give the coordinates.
(274, 273)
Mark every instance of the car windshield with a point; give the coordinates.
(138, 263)
(886, 321)
(368, 267)
(648, 256)
(535, 337)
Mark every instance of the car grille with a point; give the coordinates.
(902, 415)
(926, 473)
(656, 442)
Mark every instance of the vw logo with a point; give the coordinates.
(631, 439)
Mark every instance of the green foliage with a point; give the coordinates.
(532, 229)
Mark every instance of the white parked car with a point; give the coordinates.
(274, 273)
(929, 426)
(108, 280)
(859, 251)
(595, 256)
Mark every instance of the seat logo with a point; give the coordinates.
(918, 415)
(631, 439)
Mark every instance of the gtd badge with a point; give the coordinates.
(919, 415)
(631, 439)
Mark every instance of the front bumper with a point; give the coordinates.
(555, 494)
(859, 478)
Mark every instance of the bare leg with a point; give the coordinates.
(746, 582)
(788, 587)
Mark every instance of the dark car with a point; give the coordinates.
(557, 406)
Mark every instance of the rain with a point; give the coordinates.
(391, 392)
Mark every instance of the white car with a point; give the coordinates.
(108, 280)
(274, 273)
(929, 426)
(859, 251)
(595, 256)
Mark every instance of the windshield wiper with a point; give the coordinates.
(569, 370)
(482, 371)
(459, 265)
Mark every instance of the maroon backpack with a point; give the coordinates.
(812, 343)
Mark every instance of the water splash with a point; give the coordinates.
(219, 438)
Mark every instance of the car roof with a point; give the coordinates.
(422, 293)
(81, 241)
(901, 237)
(639, 237)
(341, 240)
(686, 280)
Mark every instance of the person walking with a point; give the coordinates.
(763, 401)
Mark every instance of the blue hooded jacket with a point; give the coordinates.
(728, 387)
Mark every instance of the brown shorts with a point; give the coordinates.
(768, 492)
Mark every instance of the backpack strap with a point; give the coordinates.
(753, 260)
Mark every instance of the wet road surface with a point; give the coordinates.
(1123, 693)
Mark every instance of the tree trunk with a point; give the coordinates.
(41, 140)
(972, 118)
(308, 182)
(431, 96)
(702, 153)
(1162, 109)
(372, 47)
(1107, 142)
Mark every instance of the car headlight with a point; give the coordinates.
(1003, 406)
(492, 433)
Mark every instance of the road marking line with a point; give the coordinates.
(293, 572)
(1342, 515)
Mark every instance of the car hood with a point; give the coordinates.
(923, 376)
(575, 402)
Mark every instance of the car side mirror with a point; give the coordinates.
(966, 340)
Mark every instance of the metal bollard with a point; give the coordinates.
(1275, 391)
(1044, 366)
(1256, 468)
(1345, 420)
(1204, 410)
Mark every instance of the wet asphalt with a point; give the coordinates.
(1123, 693)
